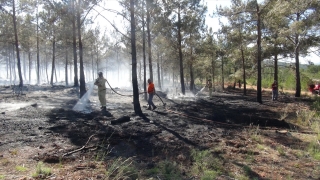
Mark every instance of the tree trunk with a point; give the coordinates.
(183, 90)
(136, 103)
(173, 77)
(149, 40)
(235, 80)
(82, 77)
(191, 72)
(14, 66)
(244, 72)
(74, 43)
(144, 54)
(259, 58)
(24, 66)
(92, 65)
(158, 71)
(275, 76)
(140, 70)
(17, 43)
(191, 77)
(161, 72)
(222, 72)
(47, 68)
(55, 73)
(30, 66)
(10, 66)
(297, 54)
(118, 66)
(213, 70)
(38, 51)
(7, 63)
(53, 59)
(70, 71)
(66, 67)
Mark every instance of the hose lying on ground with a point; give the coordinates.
(164, 104)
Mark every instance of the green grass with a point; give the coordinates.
(314, 150)
(261, 147)
(21, 168)
(169, 170)
(210, 174)
(122, 169)
(305, 116)
(5, 162)
(248, 173)
(250, 156)
(206, 165)
(41, 171)
(165, 170)
(316, 104)
(14, 152)
(152, 171)
(281, 151)
(2, 176)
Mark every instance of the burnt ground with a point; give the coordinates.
(246, 140)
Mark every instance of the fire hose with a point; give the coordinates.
(193, 117)
(164, 104)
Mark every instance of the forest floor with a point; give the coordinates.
(227, 136)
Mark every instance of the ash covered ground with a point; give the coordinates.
(43, 125)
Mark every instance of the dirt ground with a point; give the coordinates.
(259, 141)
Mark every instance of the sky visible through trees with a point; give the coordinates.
(182, 43)
(211, 21)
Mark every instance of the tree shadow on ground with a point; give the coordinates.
(225, 112)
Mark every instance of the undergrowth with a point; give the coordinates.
(42, 171)
(165, 170)
(311, 119)
(206, 165)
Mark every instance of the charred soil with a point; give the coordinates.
(242, 138)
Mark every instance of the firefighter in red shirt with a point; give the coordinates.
(274, 90)
(151, 92)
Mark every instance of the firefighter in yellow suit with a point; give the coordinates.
(102, 90)
(209, 85)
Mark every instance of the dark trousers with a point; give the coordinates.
(150, 100)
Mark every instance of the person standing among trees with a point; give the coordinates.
(151, 92)
(274, 90)
(209, 86)
(102, 90)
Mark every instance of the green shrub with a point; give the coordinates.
(247, 170)
(281, 151)
(209, 175)
(316, 104)
(169, 170)
(314, 150)
(305, 116)
(41, 171)
(205, 164)
(122, 169)
(153, 171)
(21, 168)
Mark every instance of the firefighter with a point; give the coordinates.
(151, 92)
(101, 83)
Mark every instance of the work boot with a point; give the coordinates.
(154, 107)
(149, 108)
(103, 109)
